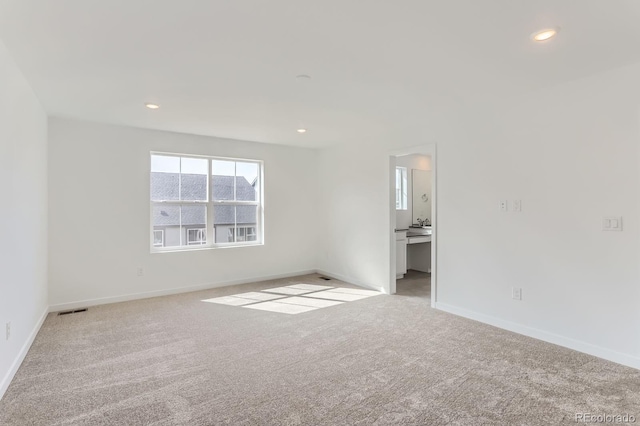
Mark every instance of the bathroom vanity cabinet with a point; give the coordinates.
(401, 253)
(413, 251)
(419, 253)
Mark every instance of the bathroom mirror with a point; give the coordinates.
(421, 195)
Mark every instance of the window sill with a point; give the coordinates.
(216, 247)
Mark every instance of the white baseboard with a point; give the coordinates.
(577, 345)
(168, 292)
(6, 380)
(347, 280)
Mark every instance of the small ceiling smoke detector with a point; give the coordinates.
(302, 130)
(544, 35)
(152, 106)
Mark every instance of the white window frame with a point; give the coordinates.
(161, 231)
(210, 203)
(246, 229)
(401, 188)
(197, 242)
(246, 234)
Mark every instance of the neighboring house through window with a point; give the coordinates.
(158, 238)
(196, 236)
(205, 201)
(243, 233)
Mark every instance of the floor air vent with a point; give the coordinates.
(72, 312)
(325, 278)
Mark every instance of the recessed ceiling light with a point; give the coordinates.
(152, 106)
(302, 130)
(544, 35)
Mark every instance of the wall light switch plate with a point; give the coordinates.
(517, 206)
(516, 293)
(612, 223)
(8, 330)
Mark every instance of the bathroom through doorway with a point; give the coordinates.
(412, 224)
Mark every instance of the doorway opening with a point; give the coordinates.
(413, 222)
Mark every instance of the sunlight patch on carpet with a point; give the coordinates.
(294, 299)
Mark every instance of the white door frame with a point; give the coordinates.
(429, 150)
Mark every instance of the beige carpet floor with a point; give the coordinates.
(383, 360)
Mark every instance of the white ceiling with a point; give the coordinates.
(227, 68)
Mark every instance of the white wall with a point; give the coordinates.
(23, 216)
(404, 218)
(354, 204)
(571, 154)
(99, 214)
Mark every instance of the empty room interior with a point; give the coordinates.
(319, 212)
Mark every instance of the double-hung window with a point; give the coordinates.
(199, 201)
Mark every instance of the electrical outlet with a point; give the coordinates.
(8, 330)
(612, 223)
(140, 271)
(504, 205)
(516, 293)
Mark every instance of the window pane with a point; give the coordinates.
(165, 164)
(167, 219)
(246, 217)
(224, 223)
(222, 179)
(194, 216)
(194, 166)
(223, 167)
(235, 180)
(246, 181)
(193, 180)
(165, 178)
(235, 223)
(176, 178)
(176, 221)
